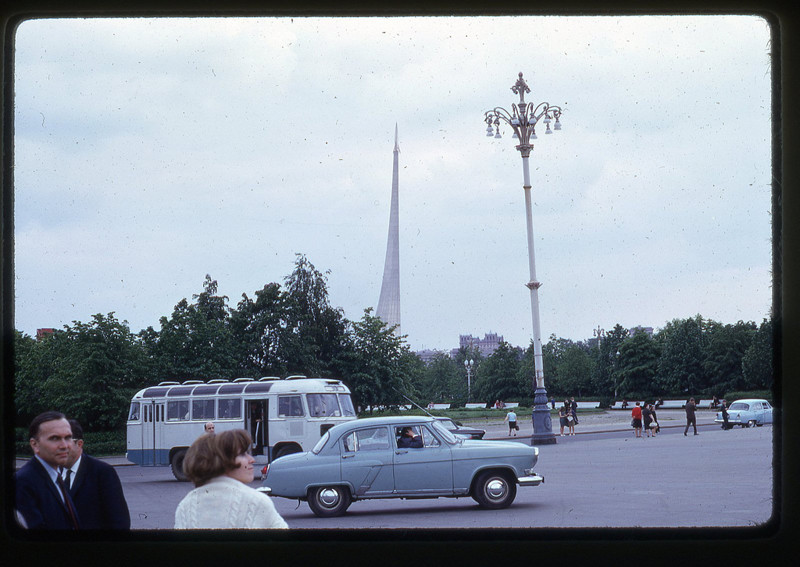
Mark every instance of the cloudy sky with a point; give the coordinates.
(149, 153)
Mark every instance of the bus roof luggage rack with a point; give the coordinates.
(218, 381)
(237, 380)
(296, 377)
(168, 383)
(190, 382)
(265, 378)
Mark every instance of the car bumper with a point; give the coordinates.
(530, 480)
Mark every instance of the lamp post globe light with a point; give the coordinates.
(523, 119)
(468, 364)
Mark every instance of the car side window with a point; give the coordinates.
(429, 439)
(371, 439)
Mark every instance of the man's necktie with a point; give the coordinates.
(73, 517)
(67, 481)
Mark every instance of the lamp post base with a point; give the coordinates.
(542, 424)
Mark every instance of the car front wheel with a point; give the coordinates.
(494, 490)
(329, 501)
(751, 423)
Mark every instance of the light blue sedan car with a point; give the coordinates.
(369, 458)
(747, 413)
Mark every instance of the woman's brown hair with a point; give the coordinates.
(213, 455)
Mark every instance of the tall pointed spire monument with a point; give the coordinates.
(389, 303)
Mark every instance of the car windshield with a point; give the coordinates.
(444, 433)
(321, 443)
(739, 406)
(449, 424)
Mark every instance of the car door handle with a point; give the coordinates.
(348, 456)
(400, 452)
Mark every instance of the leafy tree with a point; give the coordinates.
(724, 349)
(313, 334)
(757, 362)
(376, 364)
(603, 379)
(443, 380)
(574, 369)
(34, 362)
(499, 377)
(197, 341)
(637, 366)
(256, 325)
(680, 367)
(89, 371)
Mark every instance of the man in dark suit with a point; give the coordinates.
(95, 488)
(41, 498)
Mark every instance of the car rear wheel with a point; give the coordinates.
(329, 501)
(494, 490)
(751, 423)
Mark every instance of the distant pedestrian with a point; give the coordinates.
(552, 402)
(657, 427)
(647, 419)
(690, 417)
(569, 417)
(724, 410)
(636, 419)
(624, 403)
(511, 418)
(562, 418)
(573, 406)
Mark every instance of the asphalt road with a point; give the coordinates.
(715, 479)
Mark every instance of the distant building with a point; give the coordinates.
(486, 346)
(592, 342)
(427, 355)
(639, 329)
(42, 333)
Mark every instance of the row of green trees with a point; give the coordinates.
(91, 370)
(688, 357)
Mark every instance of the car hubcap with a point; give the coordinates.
(328, 497)
(495, 489)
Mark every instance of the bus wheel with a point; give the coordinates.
(176, 463)
(329, 501)
(287, 450)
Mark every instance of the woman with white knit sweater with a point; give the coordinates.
(221, 467)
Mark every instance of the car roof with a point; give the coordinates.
(750, 400)
(378, 421)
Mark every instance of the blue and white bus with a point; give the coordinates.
(282, 415)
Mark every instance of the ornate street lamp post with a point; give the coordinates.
(522, 119)
(468, 365)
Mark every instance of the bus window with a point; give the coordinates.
(290, 406)
(347, 405)
(133, 415)
(178, 410)
(229, 408)
(323, 405)
(202, 409)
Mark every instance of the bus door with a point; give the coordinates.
(152, 427)
(257, 416)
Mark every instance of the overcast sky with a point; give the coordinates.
(149, 153)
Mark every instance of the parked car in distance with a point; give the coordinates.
(460, 430)
(364, 459)
(747, 413)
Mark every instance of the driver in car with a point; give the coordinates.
(409, 439)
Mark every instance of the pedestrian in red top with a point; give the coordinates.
(636, 422)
